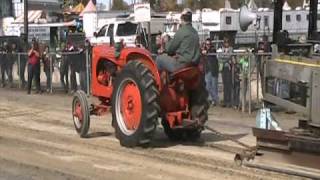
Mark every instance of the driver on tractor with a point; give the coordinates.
(183, 50)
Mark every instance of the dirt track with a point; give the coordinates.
(38, 141)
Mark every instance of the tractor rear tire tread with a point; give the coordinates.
(142, 76)
(199, 110)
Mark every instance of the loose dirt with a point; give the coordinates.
(38, 141)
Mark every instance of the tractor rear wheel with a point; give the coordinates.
(199, 106)
(135, 107)
(80, 113)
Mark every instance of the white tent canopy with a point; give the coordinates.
(252, 5)
(90, 7)
(227, 4)
(286, 6)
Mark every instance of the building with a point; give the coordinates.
(6, 13)
(46, 5)
(5, 8)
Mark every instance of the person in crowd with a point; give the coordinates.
(118, 46)
(47, 66)
(160, 43)
(138, 43)
(244, 64)
(73, 64)
(264, 47)
(64, 69)
(4, 64)
(34, 66)
(184, 49)
(82, 68)
(236, 70)
(12, 58)
(78, 65)
(2, 56)
(211, 72)
(22, 64)
(226, 60)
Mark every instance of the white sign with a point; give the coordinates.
(41, 33)
(142, 12)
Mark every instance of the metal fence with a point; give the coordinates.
(65, 71)
(253, 78)
(70, 71)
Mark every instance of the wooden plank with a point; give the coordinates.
(286, 104)
(315, 100)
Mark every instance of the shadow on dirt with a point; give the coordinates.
(207, 139)
(98, 135)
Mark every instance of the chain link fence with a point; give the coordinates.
(246, 80)
(63, 72)
(67, 72)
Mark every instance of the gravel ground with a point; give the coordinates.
(38, 141)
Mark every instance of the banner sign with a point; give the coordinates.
(142, 12)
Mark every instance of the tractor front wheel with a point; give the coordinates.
(135, 107)
(80, 113)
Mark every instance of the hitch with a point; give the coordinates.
(248, 153)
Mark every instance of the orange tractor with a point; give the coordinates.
(130, 86)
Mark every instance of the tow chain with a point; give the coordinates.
(248, 153)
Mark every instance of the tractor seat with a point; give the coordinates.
(185, 74)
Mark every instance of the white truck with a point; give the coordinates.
(115, 31)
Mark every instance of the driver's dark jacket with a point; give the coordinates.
(185, 45)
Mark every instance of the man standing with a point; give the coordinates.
(64, 69)
(12, 57)
(23, 62)
(212, 72)
(4, 63)
(184, 49)
(2, 56)
(226, 60)
(34, 66)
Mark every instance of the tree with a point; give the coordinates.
(168, 5)
(119, 5)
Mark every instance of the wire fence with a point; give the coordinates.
(249, 81)
(65, 71)
(70, 71)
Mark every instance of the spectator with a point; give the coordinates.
(244, 64)
(211, 72)
(226, 59)
(78, 65)
(34, 66)
(83, 69)
(73, 63)
(264, 47)
(4, 63)
(138, 42)
(2, 57)
(47, 67)
(12, 57)
(22, 65)
(64, 70)
(236, 68)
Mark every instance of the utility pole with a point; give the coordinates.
(26, 20)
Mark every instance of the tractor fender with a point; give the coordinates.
(139, 54)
